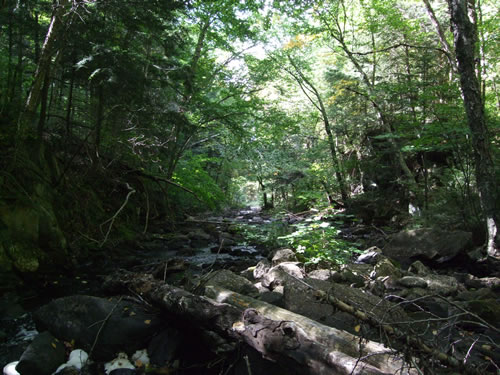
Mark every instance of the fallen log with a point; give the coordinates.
(296, 342)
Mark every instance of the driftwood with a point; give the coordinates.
(296, 342)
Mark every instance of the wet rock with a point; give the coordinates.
(370, 256)
(113, 325)
(431, 244)
(326, 275)
(42, 357)
(284, 255)
(229, 280)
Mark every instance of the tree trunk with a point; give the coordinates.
(28, 115)
(465, 39)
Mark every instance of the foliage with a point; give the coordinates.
(318, 241)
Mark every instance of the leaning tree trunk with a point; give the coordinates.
(464, 34)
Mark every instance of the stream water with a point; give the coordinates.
(17, 329)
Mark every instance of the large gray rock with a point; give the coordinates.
(113, 325)
(430, 244)
(299, 297)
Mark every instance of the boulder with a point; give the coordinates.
(42, 357)
(429, 244)
(300, 298)
(110, 325)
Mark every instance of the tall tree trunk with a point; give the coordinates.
(28, 115)
(465, 38)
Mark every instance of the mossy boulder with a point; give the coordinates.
(30, 235)
(25, 258)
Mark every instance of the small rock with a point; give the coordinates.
(284, 255)
(370, 256)
(413, 282)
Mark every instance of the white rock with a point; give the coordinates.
(119, 362)
(10, 369)
(140, 358)
(77, 359)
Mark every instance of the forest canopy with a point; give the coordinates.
(114, 114)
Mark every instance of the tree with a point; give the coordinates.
(465, 39)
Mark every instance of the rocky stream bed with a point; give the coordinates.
(205, 299)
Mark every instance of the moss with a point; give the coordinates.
(25, 258)
(21, 221)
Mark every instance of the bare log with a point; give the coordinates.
(296, 342)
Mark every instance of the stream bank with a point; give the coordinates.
(455, 311)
